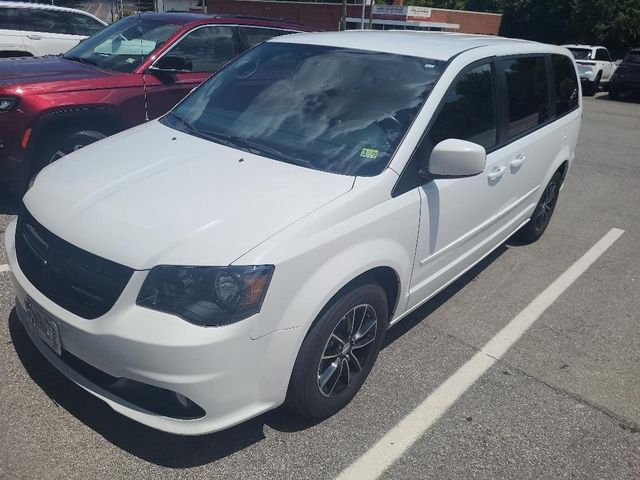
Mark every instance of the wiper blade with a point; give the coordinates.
(82, 60)
(260, 149)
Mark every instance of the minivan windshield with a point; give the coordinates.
(581, 53)
(123, 45)
(334, 109)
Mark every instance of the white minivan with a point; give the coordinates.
(34, 30)
(251, 247)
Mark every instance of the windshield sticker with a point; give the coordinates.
(370, 153)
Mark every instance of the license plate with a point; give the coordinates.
(40, 323)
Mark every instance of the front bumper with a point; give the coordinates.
(229, 375)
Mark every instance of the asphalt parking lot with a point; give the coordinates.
(563, 401)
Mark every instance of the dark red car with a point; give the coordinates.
(134, 70)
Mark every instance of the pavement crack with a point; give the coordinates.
(623, 423)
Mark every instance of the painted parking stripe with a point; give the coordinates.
(396, 442)
(4, 268)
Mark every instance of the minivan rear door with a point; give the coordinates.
(51, 32)
(11, 31)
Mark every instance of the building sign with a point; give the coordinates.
(402, 13)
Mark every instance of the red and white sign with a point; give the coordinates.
(400, 12)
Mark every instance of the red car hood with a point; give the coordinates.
(61, 74)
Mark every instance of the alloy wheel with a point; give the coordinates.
(347, 350)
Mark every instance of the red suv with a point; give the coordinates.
(134, 70)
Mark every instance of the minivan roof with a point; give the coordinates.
(435, 45)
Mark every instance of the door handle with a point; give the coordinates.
(496, 173)
(34, 37)
(518, 161)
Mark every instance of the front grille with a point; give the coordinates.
(78, 281)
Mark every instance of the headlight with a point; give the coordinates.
(208, 296)
(7, 103)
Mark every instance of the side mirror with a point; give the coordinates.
(457, 158)
(172, 63)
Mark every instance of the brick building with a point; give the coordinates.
(327, 16)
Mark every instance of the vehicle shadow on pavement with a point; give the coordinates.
(9, 204)
(422, 313)
(176, 451)
(628, 98)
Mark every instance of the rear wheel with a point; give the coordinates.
(339, 352)
(541, 216)
(592, 87)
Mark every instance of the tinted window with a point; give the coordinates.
(632, 57)
(581, 53)
(207, 48)
(527, 92)
(84, 24)
(565, 83)
(328, 108)
(253, 36)
(602, 54)
(469, 112)
(10, 18)
(50, 21)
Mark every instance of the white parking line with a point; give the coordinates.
(395, 442)
(5, 268)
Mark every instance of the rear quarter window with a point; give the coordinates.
(565, 84)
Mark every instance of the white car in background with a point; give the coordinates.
(595, 66)
(34, 30)
(252, 246)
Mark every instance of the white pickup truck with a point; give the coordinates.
(594, 65)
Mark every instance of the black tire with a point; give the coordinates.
(614, 93)
(53, 148)
(314, 391)
(592, 87)
(543, 212)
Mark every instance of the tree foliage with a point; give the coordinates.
(613, 23)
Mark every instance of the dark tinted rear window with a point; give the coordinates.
(527, 91)
(83, 24)
(632, 57)
(10, 19)
(566, 84)
(50, 21)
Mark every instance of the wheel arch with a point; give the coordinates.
(105, 119)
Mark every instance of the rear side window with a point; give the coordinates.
(50, 21)
(83, 24)
(10, 19)
(252, 36)
(207, 48)
(527, 92)
(469, 112)
(602, 54)
(565, 83)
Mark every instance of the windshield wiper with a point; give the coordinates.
(82, 60)
(258, 149)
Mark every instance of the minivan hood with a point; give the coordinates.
(152, 195)
(50, 69)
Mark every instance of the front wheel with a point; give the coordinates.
(592, 87)
(541, 216)
(339, 352)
